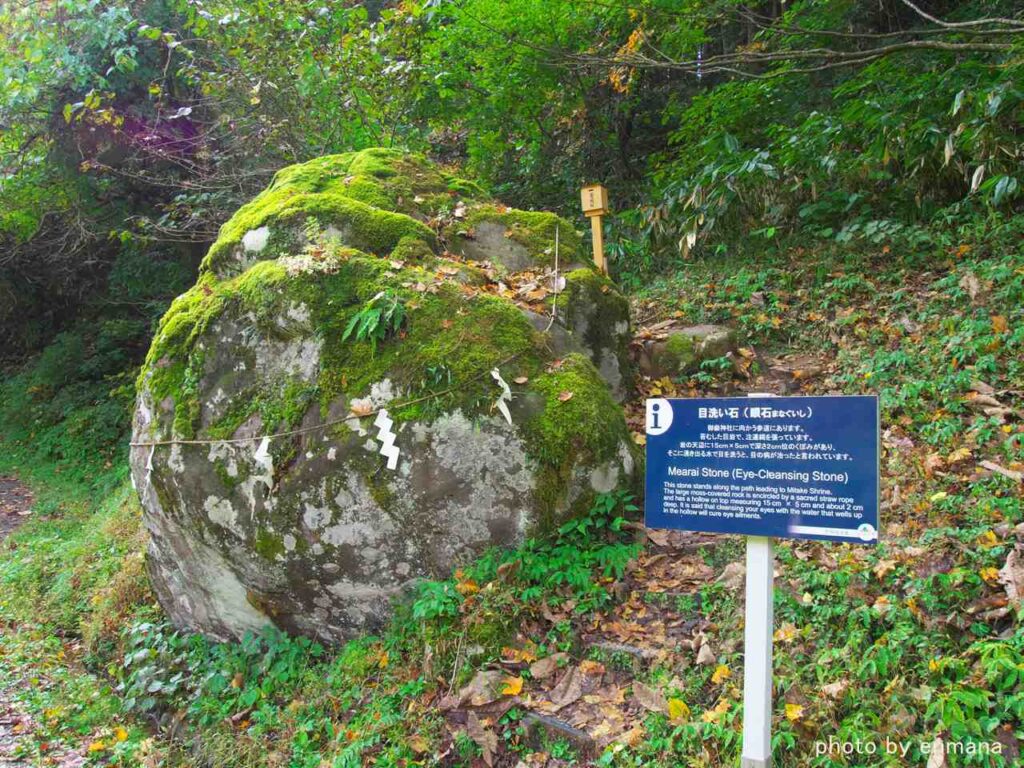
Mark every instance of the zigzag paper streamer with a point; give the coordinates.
(506, 394)
(387, 438)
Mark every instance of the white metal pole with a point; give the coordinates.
(757, 654)
(757, 651)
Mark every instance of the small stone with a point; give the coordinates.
(684, 349)
(641, 655)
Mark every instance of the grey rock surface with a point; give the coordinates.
(310, 529)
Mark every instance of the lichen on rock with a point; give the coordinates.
(309, 530)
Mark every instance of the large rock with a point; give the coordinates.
(311, 530)
(682, 350)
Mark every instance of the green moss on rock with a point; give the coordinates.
(533, 231)
(355, 223)
(466, 189)
(680, 351)
(389, 179)
(579, 425)
(580, 419)
(269, 545)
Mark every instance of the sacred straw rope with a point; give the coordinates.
(325, 425)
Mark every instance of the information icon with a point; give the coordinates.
(659, 416)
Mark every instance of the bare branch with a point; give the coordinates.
(1016, 23)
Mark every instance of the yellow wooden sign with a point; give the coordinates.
(594, 199)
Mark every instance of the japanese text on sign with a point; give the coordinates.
(803, 467)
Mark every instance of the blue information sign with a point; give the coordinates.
(788, 467)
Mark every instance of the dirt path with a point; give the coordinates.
(17, 748)
(15, 505)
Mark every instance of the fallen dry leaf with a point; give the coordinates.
(568, 690)
(937, 754)
(485, 738)
(361, 407)
(705, 656)
(883, 567)
(786, 633)
(733, 575)
(649, 698)
(564, 396)
(712, 715)
(484, 688)
(512, 687)
(960, 454)
(632, 737)
(1011, 576)
(678, 711)
(970, 284)
(990, 574)
(835, 690)
(546, 667)
(722, 673)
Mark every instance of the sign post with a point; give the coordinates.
(757, 654)
(764, 467)
(758, 629)
(595, 204)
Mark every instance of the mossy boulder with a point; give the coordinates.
(682, 350)
(312, 530)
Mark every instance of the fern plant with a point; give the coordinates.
(380, 317)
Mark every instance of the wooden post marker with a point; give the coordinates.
(595, 204)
